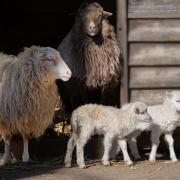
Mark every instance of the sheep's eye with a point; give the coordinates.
(142, 112)
(178, 101)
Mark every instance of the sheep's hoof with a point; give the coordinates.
(137, 158)
(26, 160)
(7, 160)
(67, 164)
(106, 163)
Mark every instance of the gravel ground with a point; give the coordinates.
(143, 170)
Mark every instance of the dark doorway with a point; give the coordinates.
(45, 23)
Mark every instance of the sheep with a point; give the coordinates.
(112, 122)
(5, 60)
(28, 95)
(92, 52)
(166, 117)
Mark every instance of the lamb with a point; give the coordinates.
(28, 95)
(92, 52)
(166, 117)
(111, 122)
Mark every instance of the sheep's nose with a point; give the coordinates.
(69, 73)
(92, 26)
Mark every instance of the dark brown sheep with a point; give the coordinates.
(91, 49)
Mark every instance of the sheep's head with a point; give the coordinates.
(91, 17)
(174, 98)
(50, 59)
(141, 116)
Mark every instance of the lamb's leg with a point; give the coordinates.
(80, 143)
(115, 149)
(25, 155)
(169, 139)
(69, 151)
(7, 155)
(134, 148)
(155, 134)
(108, 140)
(123, 146)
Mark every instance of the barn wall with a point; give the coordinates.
(153, 59)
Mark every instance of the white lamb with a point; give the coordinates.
(111, 122)
(166, 117)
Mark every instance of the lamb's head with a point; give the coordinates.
(140, 116)
(53, 62)
(174, 98)
(91, 17)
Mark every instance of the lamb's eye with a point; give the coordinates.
(178, 101)
(142, 112)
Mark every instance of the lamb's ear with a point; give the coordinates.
(136, 110)
(107, 14)
(169, 94)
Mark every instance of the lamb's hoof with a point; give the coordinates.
(82, 166)
(67, 164)
(106, 163)
(174, 160)
(129, 163)
(152, 161)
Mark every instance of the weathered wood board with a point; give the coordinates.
(154, 30)
(154, 8)
(150, 96)
(153, 54)
(154, 77)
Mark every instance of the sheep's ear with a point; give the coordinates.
(136, 110)
(169, 94)
(107, 14)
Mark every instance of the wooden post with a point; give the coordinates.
(122, 34)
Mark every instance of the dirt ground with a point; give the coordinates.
(143, 170)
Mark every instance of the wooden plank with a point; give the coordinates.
(154, 54)
(122, 38)
(159, 77)
(150, 97)
(154, 30)
(154, 8)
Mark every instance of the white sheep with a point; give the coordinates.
(111, 122)
(28, 95)
(165, 117)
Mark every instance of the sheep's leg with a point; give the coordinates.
(108, 140)
(69, 151)
(123, 145)
(134, 148)
(169, 139)
(25, 155)
(155, 134)
(7, 155)
(80, 143)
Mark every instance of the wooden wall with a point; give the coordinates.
(152, 47)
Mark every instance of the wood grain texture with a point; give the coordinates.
(154, 54)
(157, 77)
(123, 39)
(150, 97)
(154, 8)
(157, 30)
